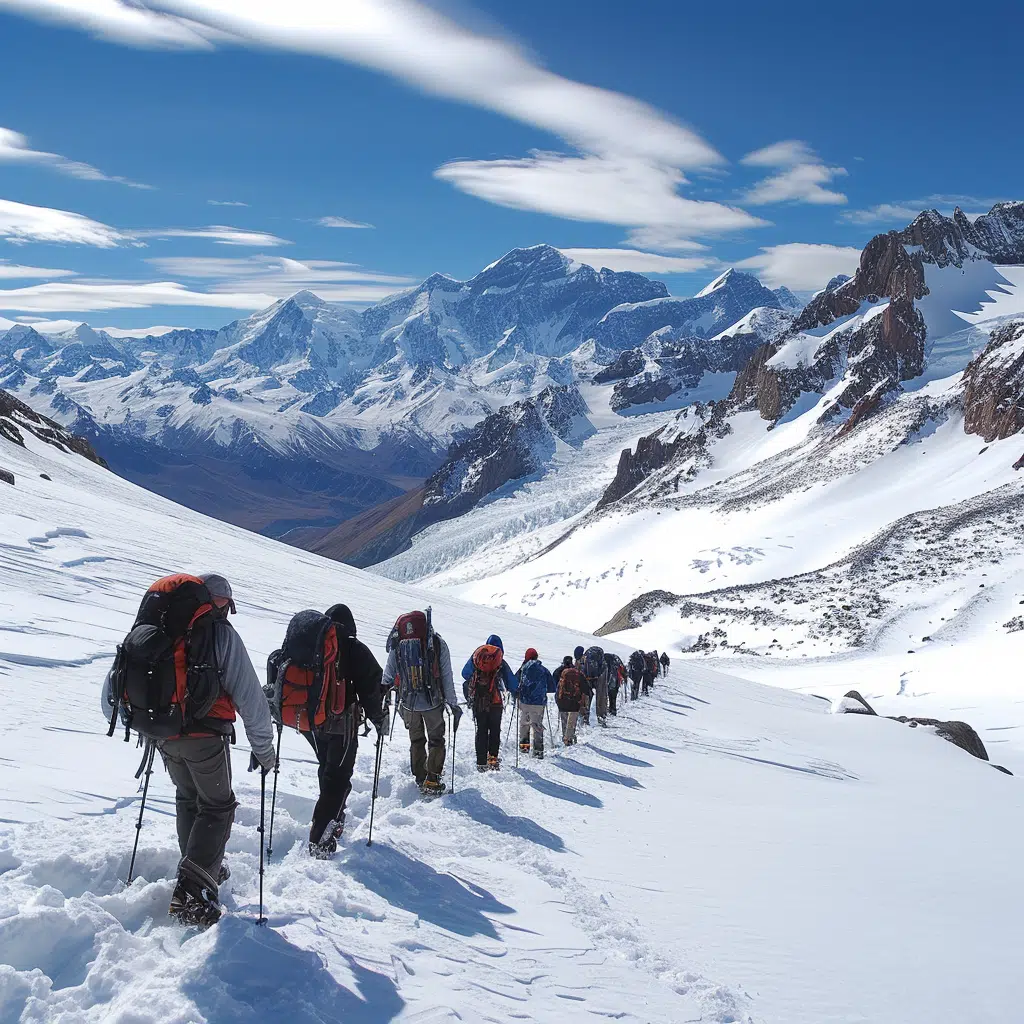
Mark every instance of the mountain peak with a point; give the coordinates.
(730, 276)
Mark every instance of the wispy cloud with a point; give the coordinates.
(638, 262)
(281, 277)
(222, 234)
(341, 222)
(802, 176)
(225, 202)
(22, 223)
(13, 271)
(95, 296)
(802, 266)
(903, 211)
(15, 149)
(630, 192)
(618, 142)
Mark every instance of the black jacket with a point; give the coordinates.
(360, 668)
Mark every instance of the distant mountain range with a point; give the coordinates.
(309, 412)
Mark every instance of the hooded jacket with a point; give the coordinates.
(506, 680)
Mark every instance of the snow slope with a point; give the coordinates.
(725, 852)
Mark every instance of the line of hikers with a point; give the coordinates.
(182, 674)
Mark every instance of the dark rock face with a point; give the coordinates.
(994, 386)
(6, 477)
(997, 236)
(960, 734)
(628, 364)
(16, 416)
(659, 450)
(510, 444)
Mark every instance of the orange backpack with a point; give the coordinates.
(483, 683)
(305, 689)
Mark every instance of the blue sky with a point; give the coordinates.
(661, 136)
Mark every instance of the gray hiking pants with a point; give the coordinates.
(531, 716)
(200, 768)
(567, 719)
(602, 699)
(426, 741)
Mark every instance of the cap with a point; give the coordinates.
(578, 652)
(531, 654)
(219, 588)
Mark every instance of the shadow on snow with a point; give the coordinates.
(567, 764)
(558, 791)
(472, 803)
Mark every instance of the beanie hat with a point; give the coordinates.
(531, 654)
(578, 652)
(495, 641)
(567, 661)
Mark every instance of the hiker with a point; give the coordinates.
(665, 662)
(616, 674)
(650, 669)
(322, 661)
(487, 678)
(595, 669)
(183, 643)
(569, 697)
(533, 682)
(420, 670)
(588, 694)
(636, 673)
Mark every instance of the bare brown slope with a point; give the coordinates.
(363, 539)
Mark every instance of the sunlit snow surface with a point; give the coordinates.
(724, 852)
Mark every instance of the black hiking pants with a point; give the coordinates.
(634, 689)
(336, 757)
(488, 733)
(648, 682)
(204, 802)
(613, 696)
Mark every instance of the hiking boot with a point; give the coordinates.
(538, 752)
(432, 785)
(493, 762)
(524, 748)
(326, 846)
(194, 903)
(224, 874)
(483, 767)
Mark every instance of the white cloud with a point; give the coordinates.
(619, 138)
(93, 296)
(638, 262)
(222, 234)
(628, 192)
(14, 148)
(22, 223)
(802, 266)
(280, 277)
(225, 202)
(12, 271)
(340, 222)
(801, 178)
(665, 239)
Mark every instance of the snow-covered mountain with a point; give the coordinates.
(309, 412)
(670, 868)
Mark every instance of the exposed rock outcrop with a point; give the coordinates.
(994, 386)
(16, 416)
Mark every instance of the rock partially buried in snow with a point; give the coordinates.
(958, 733)
(7, 477)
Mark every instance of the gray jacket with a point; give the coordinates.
(239, 681)
(420, 701)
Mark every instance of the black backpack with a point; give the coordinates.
(593, 663)
(165, 681)
(636, 664)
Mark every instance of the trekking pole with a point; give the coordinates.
(551, 732)
(273, 798)
(376, 782)
(263, 810)
(508, 732)
(455, 733)
(519, 735)
(147, 760)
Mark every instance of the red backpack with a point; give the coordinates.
(570, 686)
(164, 680)
(305, 688)
(417, 655)
(483, 683)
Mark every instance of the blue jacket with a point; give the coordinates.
(505, 678)
(532, 684)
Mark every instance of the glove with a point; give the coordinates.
(267, 763)
(456, 715)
